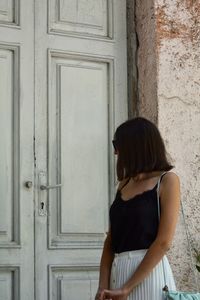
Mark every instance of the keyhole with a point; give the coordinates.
(42, 205)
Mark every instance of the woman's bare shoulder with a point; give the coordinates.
(169, 180)
(170, 176)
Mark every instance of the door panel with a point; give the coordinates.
(81, 17)
(64, 278)
(9, 164)
(9, 12)
(78, 126)
(16, 151)
(80, 89)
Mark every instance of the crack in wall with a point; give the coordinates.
(136, 56)
(191, 104)
(132, 49)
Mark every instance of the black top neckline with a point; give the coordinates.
(135, 196)
(134, 222)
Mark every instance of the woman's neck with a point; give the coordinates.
(144, 176)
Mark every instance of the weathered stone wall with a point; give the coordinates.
(146, 59)
(169, 94)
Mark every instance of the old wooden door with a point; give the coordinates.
(16, 150)
(56, 157)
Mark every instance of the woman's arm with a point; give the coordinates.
(105, 266)
(170, 203)
(106, 259)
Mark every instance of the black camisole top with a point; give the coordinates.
(134, 223)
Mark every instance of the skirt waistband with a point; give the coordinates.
(131, 253)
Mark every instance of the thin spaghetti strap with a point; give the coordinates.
(160, 178)
(119, 190)
(158, 191)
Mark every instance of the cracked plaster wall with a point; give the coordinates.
(168, 62)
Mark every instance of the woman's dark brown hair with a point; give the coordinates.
(140, 148)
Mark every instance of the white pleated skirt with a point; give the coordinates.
(125, 264)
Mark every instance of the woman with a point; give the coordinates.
(134, 251)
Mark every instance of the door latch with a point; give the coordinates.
(42, 197)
